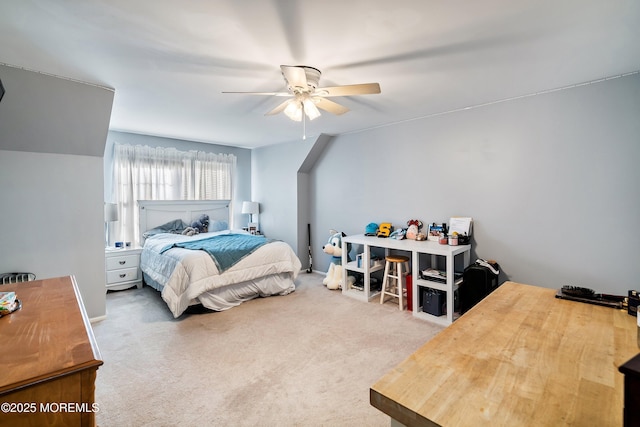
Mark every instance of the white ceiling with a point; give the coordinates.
(169, 60)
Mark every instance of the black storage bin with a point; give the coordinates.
(434, 302)
(478, 281)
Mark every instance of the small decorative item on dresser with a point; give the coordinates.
(9, 303)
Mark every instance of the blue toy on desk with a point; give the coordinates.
(333, 279)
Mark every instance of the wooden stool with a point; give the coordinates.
(394, 263)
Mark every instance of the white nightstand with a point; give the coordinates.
(123, 268)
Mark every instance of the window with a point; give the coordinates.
(158, 173)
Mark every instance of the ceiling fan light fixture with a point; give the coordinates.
(308, 98)
(293, 110)
(310, 109)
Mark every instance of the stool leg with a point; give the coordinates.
(400, 285)
(407, 271)
(385, 280)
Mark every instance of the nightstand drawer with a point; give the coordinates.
(123, 275)
(122, 261)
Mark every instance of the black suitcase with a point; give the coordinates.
(478, 280)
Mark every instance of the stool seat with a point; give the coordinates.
(397, 258)
(393, 282)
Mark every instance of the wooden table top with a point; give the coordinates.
(49, 336)
(521, 357)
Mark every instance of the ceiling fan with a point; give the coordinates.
(305, 97)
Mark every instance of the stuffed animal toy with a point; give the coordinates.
(399, 234)
(333, 278)
(190, 231)
(414, 227)
(201, 224)
(334, 246)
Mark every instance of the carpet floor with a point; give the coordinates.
(304, 359)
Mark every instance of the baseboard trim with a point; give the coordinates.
(98, 318)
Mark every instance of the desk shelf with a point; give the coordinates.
(362, 295)
(418, 250)
(365, 294)
(441, 286)
(353, 266)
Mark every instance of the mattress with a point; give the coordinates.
(186, 276)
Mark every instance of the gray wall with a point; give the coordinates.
(52, 220)
(275, 183)
(241, 187)
(550, 180)
(52, 136)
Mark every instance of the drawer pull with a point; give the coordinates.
(123, 275)
(122, 262)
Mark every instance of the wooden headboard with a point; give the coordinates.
(154, 213)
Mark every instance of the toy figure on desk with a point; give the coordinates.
(333, 279)
(413, 230)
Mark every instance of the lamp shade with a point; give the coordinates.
(310, 109)
(250, 208)
(294, 110)
(110, 212)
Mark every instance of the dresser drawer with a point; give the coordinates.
(123, 275)
(122, 261)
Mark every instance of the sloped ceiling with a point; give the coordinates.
(44, 114)
(169, 61)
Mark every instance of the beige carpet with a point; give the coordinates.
(305, 359)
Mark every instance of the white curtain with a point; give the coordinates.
(158, 173)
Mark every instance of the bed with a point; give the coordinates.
(187, 271)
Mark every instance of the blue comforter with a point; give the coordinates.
(225, 249)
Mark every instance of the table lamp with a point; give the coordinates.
(251, 208)
(110, 215)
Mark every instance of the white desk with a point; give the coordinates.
(416, 248)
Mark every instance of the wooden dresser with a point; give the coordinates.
(48, 357)
(521, 357)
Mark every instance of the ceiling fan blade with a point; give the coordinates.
(280, 108)
(295, 76)
(330, 106)
(347, 90)
(263, 93)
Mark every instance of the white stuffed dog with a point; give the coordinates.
(333, 279)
